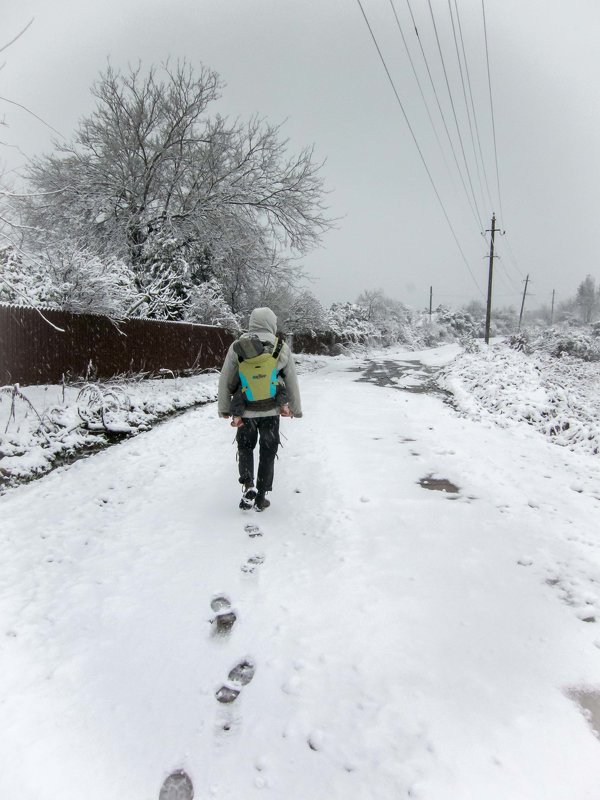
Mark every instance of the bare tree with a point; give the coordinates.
(587, 299)
(373, 301)
(306, 314)
(150, 163)
(6, 216)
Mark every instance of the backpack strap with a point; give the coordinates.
(277, 349)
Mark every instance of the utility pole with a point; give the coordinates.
(488, 314)
(523, 301)
(430, 301)
(552, 309)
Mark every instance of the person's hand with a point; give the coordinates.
(286, 411)
(224, 416)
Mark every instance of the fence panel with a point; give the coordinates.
(32, 351)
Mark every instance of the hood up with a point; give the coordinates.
(262, 320)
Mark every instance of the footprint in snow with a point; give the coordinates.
(225, 616)
(239, 676)
(177, 786)
(250, 566)
(586, 607)
(253, 531)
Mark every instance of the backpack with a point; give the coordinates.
(258, 371)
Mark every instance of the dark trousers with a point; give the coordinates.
(267, 430)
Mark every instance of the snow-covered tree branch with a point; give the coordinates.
(181, 196)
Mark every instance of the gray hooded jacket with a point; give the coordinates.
(263, 323)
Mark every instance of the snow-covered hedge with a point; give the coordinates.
(583, 344)
(559, 396)
(355, 324)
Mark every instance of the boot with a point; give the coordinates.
(261, 502)
(248, 495)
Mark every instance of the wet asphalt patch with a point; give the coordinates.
(417, 378)
(406, 375)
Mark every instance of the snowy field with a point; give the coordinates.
(397, 642)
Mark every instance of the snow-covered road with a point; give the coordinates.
(407, 643)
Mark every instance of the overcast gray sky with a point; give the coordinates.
(314, 66)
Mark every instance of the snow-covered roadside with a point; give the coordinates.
(560, 397)
(42, 425)
(406, 643)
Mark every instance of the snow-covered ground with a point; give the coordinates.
(407, 643)
(40, 425)
(560, 397)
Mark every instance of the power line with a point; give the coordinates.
(29, 111)
(440, 109)
(412, 64)
(462, 41)
(506, 277)
(487, 58)
(464, 90)
(462, 147)
(18, 36)
(437, 194)
(513, 259)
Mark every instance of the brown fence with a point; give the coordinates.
(32, 351)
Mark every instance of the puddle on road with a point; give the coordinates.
(438, 485)
(588, 701)
(408, 376)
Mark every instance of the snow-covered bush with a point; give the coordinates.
(560, 342)
(66, 277)
(350, 322)
(207, 306)
(445, 325)
(306, 315)
(84, 283)
(520, 341)
(557, 397)
(394, 322)
(458, 323)
(378, 320)
(24, 281)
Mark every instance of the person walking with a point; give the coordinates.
(257, 385)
